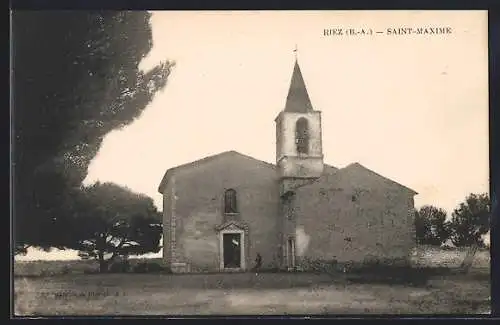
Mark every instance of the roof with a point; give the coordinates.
(199, 162)
(358, 167)
(328, 169)
(298, 100)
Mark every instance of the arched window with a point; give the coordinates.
(302, 135)
(230, 205)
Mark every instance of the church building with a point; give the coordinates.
(222, 211)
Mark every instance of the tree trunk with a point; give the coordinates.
(100, 245)
(103, 264)
(469, 258)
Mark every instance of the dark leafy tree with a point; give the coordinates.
(76, 77)
(471, 221)
(112, 221)
(431, 226)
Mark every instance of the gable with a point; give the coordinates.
(355, 174)
(359, 174)
(224, 157)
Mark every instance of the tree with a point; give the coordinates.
(470, 221)
(76, 77)
(112, 221)
(431, 226)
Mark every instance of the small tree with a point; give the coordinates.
(470, 221)
(112, 221)
(431, 226)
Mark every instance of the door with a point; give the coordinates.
(291, 253)
(232, 251)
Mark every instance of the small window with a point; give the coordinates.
(230, 204)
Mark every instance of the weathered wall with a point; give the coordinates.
(354, 215)
(291, 165)
(199, 209)
(287, 133)
(167, 227)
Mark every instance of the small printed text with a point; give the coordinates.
(391, 31)
(67, 294)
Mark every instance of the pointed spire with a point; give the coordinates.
(298, 99)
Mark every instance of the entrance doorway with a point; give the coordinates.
(232, 250)
(290, 248)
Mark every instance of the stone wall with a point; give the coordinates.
(354, 215)
(199, 210)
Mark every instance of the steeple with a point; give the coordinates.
(298, 99)
(299, 153)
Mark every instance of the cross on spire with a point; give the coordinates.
(296, 50)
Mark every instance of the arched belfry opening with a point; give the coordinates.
(302, 136)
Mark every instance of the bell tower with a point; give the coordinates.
(299, 152)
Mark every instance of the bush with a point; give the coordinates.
(150, 267)
(155, 267)
(120, 267)
(320, 265)
(141, 267)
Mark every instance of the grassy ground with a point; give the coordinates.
(245, 293)
(41, 289)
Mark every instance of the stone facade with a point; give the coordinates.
(195, 217)
(354, 215)
(295, 212)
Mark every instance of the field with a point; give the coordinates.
(41, 289)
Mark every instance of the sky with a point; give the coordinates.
(413, 108)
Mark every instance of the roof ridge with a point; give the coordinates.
(354, 164)
(207, 159)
